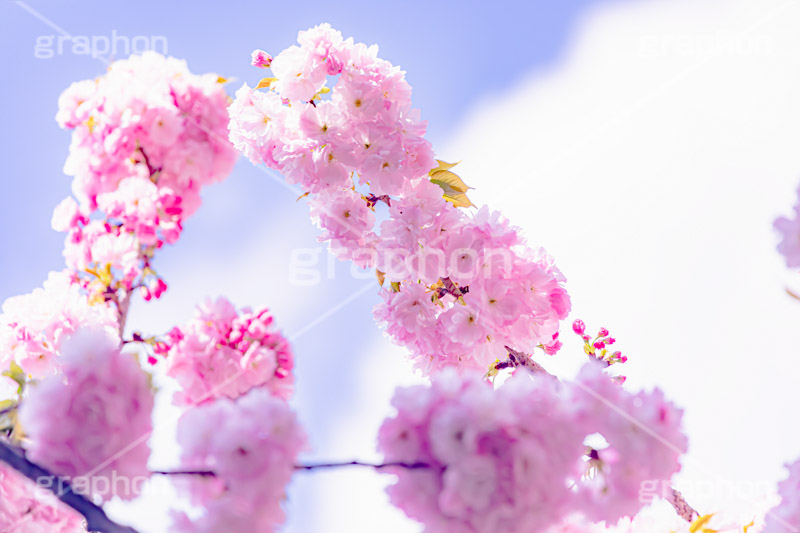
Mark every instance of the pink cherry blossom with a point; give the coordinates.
(251, 446)
(300, 74)
(225, 353)
(33, 326)
(346, 221)
(146, 136)
(363, 147)
(628, 461)
(260, 59)
(92, 422)
(513, 459)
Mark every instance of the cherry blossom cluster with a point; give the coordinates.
(789, 229)
(250, 446)
(26, 509)
(146, 136)
(516, 459)
(225, 353)
(459, 286)
(33, 326)
(92, 422)
(491, 298)
(598, 347)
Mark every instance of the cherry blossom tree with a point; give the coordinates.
(493, 442)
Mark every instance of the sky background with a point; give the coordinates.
(647, 144)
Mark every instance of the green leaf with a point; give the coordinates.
(442, 166)
(458, 200)
(453, 187)
(449, 182)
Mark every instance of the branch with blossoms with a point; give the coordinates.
(460, 289)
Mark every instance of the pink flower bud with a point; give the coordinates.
(236, 336)
(160, 288)
(265, 317)
(175, 335)
(145, 292)
(171, 231)
(260, 59)
(66, 215)
(257, 329)
(161, 347)
(603, 332)
(578, 327)
(553, 348)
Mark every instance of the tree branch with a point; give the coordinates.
(310, 466)
(96, 518)
(201, 473)
(318, 466)
(123, 304)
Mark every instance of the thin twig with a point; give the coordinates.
(310, 466)
(201, 473)
(123, 305)
(317, 466)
